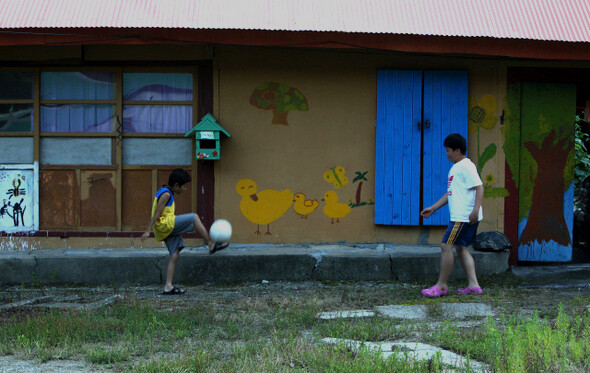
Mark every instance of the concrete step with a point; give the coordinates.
(238, 263)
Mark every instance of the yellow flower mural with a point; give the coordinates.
(482, 114)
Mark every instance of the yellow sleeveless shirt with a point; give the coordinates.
(164, 225)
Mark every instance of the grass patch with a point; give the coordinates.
(102, 355)
(241, 328)
(532, 344)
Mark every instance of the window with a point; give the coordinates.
(86, 102)
(78, 101)
(104, 137)
(16, 101)
(157, 102)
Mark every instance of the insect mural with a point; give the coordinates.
(18, 212)
(17, 207)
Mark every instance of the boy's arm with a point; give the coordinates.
(440, 203)
(162, 201)
(473, 217)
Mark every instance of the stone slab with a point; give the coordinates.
(26, 302)
(415, 350)
(413, 312)
(463, 310)
(345, 314)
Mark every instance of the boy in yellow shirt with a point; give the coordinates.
(169, 228)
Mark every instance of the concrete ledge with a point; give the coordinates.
(239, 263)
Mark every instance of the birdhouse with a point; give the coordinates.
(207, 135)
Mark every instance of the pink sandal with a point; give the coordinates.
(433, 292)
(470, 291)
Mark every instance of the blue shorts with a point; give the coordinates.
(460, 234)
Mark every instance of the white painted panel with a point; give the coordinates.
(73, 150)
(19, 207)
(157, 151)
(16, 150)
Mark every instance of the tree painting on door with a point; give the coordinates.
(538, 147)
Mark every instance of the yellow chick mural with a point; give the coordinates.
(262, 207)
(303, 206)
(334, 209)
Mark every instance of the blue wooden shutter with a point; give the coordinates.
(397, 173)
(445, 106)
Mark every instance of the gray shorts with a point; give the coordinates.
(182, 224)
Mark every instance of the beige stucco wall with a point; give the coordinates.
(337, 130)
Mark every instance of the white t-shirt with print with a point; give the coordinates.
(462, 178)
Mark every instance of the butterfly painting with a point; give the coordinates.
(336, 175)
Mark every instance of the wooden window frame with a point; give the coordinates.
(24, 101)
(115, 135)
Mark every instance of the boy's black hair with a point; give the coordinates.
(455, 141)
(178, 176)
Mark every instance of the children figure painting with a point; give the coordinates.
(169, 227)
(464, 196)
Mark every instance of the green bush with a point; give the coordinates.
(582, 164)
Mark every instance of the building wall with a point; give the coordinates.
(316, 148)
(337, 130)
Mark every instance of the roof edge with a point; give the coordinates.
(484, 46)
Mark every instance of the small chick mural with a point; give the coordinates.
(303, 206)
(334, 209)
(264, 207)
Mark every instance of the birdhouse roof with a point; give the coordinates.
(208, 123)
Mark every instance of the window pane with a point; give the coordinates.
(16, 85)
(16, 117)
(77, 118)
(157, 118)
(157, 87)
(77, 86)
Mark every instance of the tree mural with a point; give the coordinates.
(360, 178)
(280, 98)
(538, 147)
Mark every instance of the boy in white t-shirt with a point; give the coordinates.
(464, 196)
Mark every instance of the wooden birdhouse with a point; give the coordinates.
(207, 136)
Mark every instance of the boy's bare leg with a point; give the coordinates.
(202, 231)
(446, 266)
(468, 265)
(170, 270)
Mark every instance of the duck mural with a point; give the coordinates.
(264, 207)
(303, 206)
(334, 209)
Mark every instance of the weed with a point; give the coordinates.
(35, 280)
(102, 355)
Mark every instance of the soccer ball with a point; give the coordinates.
(220, 230)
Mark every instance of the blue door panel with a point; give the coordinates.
(445, 106)
(405, 98)
(397, 193)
